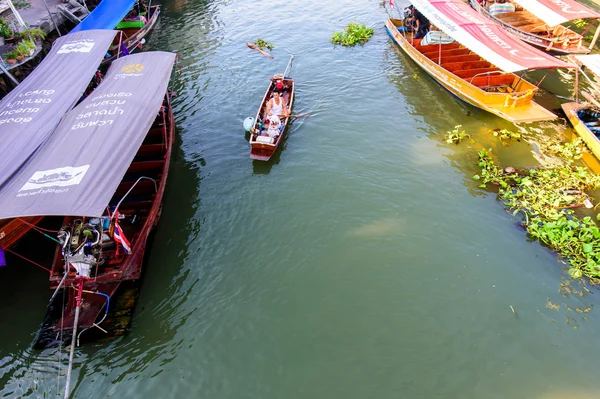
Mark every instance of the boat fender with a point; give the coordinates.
(248, 123)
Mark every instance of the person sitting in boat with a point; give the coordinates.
(420, 24)
(501, 6)
(134, 16)
(274, 128)
(276, 105)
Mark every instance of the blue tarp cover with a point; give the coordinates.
(106, 15)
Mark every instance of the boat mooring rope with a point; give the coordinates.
(28, 260)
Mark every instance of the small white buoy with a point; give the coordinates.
(248, 123)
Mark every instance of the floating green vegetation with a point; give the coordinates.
(580, 23)
(456, 135)
(546, 197)
(352, 35)
(506, 135)
(568, 152)
(261, 44)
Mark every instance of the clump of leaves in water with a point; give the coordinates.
(580, 23)
(456, 135)
(505, 134)
(568, 152)
(546, 198)
(352, 35)
(261, 44)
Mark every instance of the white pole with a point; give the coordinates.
(15, 81)
(595, 37)
(17, 15)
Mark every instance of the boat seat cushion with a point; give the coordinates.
(264, 139)
(130, 24)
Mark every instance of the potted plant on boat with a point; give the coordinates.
(11, 58)
(7, 33)
(33, 34)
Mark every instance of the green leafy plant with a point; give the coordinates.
(352, 35)
(505, 134)
(33, 34)
(22, 4)
(11, 55)
(580, 23)
(261, 44)
(5, 29)
(456, 135)
(568, 152)
(546, 198)
(23, 48)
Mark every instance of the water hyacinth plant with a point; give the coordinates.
(352, 35)
(546, 198)
(261, 44)
(456, 135)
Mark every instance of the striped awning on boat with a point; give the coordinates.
(484, 37)
(591, 61)
(556, 12)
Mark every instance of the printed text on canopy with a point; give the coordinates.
(79, 168)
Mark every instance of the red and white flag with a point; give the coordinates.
(392, 3)
(120, 237)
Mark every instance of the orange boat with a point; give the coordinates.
(11, 230)
(476, 69)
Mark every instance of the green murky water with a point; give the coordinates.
(362, 262)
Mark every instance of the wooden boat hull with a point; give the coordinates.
(581, 128)
(557, 40)
(145, 199)
(516, 106)
(132, 38)
(11, 230)
(261, 151)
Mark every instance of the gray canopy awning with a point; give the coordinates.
(31, 112)
(77, 171)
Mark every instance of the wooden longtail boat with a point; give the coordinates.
(132, 34)
(585, 117)
(526, 26)
(139, 211)
(586, 121)
(262, 148)
(471, 78)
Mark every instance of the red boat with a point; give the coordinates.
(138, 212)
(104, 169)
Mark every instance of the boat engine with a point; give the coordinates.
(82, 245)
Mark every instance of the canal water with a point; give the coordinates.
(361, 262)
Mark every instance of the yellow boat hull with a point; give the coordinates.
(580, 128)
(517, 106)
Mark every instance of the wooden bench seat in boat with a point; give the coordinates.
(467, 74)
(447, 53)
(435, 47)
(146, 166)
(456, 58)
(492, 80)
(465, 66)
